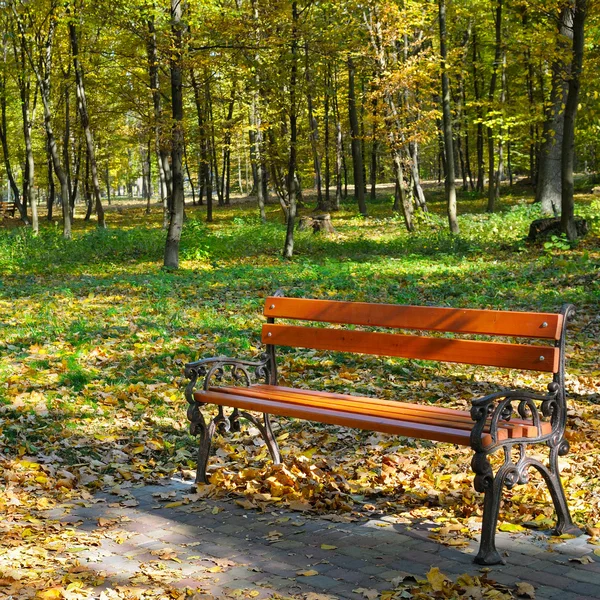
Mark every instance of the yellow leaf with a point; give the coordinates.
(328, 547)
(216, 569)
(511, 527)
(216, 510)
(436, 579)
(174, 504)
(50, 593)
(308, 573)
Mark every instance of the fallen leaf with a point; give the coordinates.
(525, 590)
(308, 573)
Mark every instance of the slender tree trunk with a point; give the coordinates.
(85, 123)
(314, 131)
(490, 134)
(204, 149)
(327, 142)
(177, 205)
(373, 170)
(24, 82)
(6, 152)
(163, 154)
(227, 148)
(107, 179)
(51, 198)
(567, 220)
(44, 87)
(447, 117)
(288, 248)
(87, 190)
(357, 157)
(339, 147)
(479, 113)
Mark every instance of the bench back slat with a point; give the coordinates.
(455, 320)
(493, 354)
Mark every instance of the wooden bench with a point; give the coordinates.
(508, 421)
(7, 207)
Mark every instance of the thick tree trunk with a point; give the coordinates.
(567, 220)
(177, 141)
(357, 157)
(447, 117)
(549, 185)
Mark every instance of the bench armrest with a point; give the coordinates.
(530, 406)
(215, 369)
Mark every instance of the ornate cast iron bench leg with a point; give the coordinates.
(214, 368)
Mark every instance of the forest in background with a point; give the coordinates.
(206, 99)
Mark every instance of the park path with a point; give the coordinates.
(224, 550)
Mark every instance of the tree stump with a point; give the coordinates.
(542, 228)
(317, 223)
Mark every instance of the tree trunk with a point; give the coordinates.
(490, 134)
(549, 185)
(327, 142)
(357, 157)
(339, 147)
(314, 132)
(85, 123)
(204, 148)
(288, 248)
(479, 112)
(163, 154)
(177, 141)
(447, 118)
(567, 220)
(44, 87)
(24, 83)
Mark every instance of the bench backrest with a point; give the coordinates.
(536, 357)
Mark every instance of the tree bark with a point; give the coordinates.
(479, 112)
(44, 87)
(176, 212)
(85, 123)
(162, 151)
(447, 118)
(314, 131)
(357, 157)
(24, 82)
(567, 220)
(490, 134)
(549, 182)
(288, 248)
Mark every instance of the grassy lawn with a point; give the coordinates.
(94, 335)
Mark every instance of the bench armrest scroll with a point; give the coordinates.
(535, 408)
(215, 369)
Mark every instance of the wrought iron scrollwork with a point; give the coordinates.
(214, 372)
(489, 413)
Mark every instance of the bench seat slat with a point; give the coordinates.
(493, 354)
(417, 413)
(457, 320)
(335, 417)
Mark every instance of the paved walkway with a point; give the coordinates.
(224, 550)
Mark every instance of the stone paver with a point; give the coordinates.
(222, 548)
